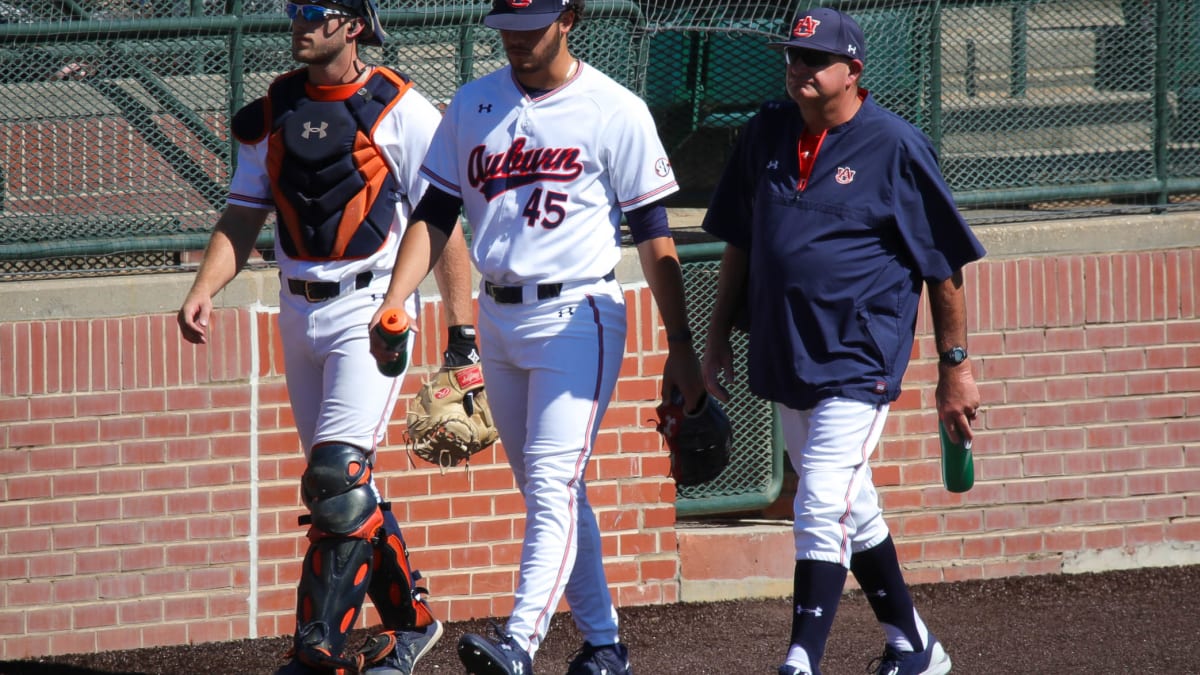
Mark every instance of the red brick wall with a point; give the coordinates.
(134, 513)
(1089, 371)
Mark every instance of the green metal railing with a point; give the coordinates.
(754, 477)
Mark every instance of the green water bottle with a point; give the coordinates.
(394, 328)
(958, 466)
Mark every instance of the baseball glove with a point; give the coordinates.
(699, 442)
(449, 419)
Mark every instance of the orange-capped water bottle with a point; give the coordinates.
(958, 465)
(394, 328)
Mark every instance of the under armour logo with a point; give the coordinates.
(310, 129)
(815, 611)
(518, 668)
(773, 164)
(485, 107)
(806, 27)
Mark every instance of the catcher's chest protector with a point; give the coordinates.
(334, 194)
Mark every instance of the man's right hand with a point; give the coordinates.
(379, 347)
(193, 318)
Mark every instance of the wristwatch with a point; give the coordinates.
(953, 356)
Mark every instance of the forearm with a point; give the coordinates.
(948, 312)
(731, 291)
(681, 371)
(957, 395)
(660, 266)
(228, 249)
(453, 275)
(419, 249)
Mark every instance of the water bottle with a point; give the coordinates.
(394, 328)
(958, 465)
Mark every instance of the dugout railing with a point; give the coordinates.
(754, 477)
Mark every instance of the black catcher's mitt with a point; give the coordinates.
(699, 441)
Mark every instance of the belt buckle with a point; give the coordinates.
(308, 293)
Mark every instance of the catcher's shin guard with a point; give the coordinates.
(393, 586)
(344, 516)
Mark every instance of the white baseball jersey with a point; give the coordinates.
(336, 392)
(539, 176)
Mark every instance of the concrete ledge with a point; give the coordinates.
(1092, 235)
(733, 560)
(87, 298)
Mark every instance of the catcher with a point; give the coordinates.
(449, 419)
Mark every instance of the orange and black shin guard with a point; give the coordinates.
(344, 518)
(332, 588)
(393, 590)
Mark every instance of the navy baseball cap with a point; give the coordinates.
(367, 10)
(524, 14)
(826, 30)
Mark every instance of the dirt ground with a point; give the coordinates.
(1135, 621)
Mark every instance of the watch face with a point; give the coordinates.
(955, 355)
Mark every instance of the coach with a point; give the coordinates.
(835, 216)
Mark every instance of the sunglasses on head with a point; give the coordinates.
(312, 12)
(809, 57)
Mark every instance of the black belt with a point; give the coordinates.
(515, 295)
(320, 291)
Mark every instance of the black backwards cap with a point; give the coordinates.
(367, 10)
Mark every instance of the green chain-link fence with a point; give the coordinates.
(754, 476)
(115, 155)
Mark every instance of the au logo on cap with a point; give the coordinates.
(806, 27)
(519, 4)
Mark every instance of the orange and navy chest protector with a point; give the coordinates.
(335, 197)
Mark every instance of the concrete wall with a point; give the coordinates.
(149, 487)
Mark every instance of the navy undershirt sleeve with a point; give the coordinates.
(648, 222)
(438, 208)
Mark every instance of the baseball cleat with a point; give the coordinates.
(499, 656)
(603, 660)
(411, 645)
(791, 670)
(932, 660)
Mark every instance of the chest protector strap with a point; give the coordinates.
(334, 194)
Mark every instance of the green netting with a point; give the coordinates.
(114, 113)
(755, 473)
